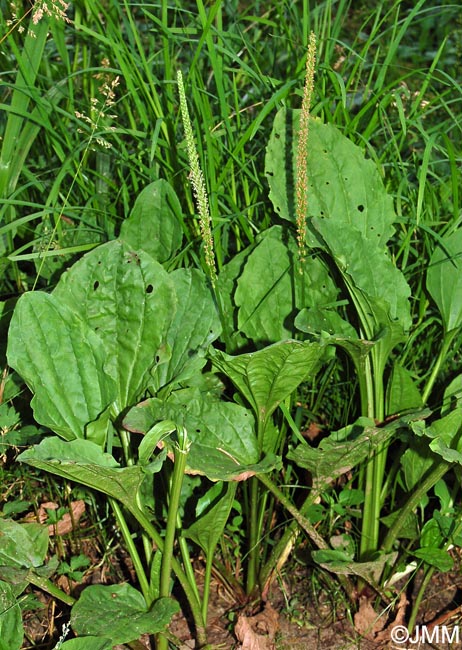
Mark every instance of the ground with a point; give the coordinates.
(300, 614)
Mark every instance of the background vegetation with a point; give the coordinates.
(90, 116)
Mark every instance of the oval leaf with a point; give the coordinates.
(63, 362)
(129, 300)
(154, 224)
(122, 613)
(444, 279)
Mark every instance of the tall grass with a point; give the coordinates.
(74, 157)
(72, 182)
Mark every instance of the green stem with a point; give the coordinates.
(447, 340)
(369, 532)
(207, 577)
(438, 470)
(133, 551)
(170, 531)
(50, 588)
(187, 564)
(418, 599)
(253, 537)
(302, 521)
(180, 457)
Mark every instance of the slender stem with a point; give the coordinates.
(193, 601)
(253, 537)
(369, 532)
(46, 585)
(133, 551)
(416, 604)
(438, 470)
(183, 544)
(447, 340)
(207, 577)
(170, 531)
(180, 456)
(302, 521)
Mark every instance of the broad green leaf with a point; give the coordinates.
(223, 441)
(84, 462)
(350, 215)
(431, 535)
(435, 557)
(444, 279)
(22, 545)
(270, 288)
(369, 270)
(342, 184)
(122, 613)
(402, 392)
(87, 643)
(209, 525)
(335, 457)
(416, 461)
(268, 376)
(332, 329)
(445, 433)
(62, 361)
(409, 528)
(154, 224)
(195, 325)
(226, 287)
(129, 300)
(314, 320)
(222, 435)
(11, 629)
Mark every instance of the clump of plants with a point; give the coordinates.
(174, 390)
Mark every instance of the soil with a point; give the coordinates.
(300, 613)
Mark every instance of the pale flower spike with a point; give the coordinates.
(198, 184)
(301, 183)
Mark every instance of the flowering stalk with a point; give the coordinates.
(301, 183)
(198, 184)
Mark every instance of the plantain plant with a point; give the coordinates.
(147, 375)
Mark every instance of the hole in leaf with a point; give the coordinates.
(95, 285)
(277, 136)
(149, 288)
(360, 207)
